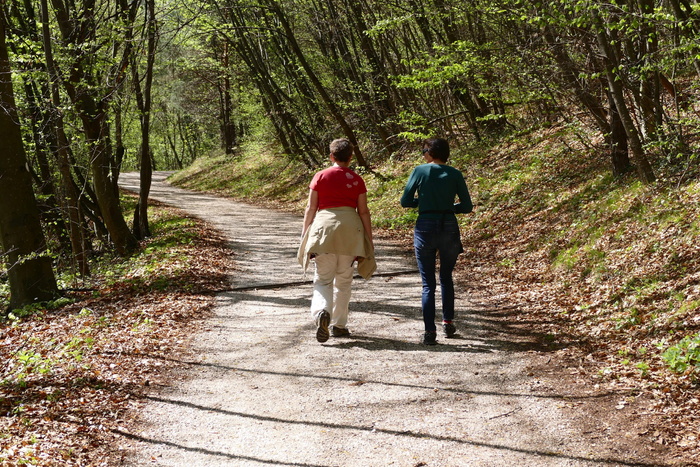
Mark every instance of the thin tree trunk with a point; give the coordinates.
(72, 196)
(119, 149)
(332, 107)
(644, 169)
(619, 153)
(649, 89)
(228, 128)
(141, 227)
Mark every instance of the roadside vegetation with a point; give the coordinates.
(605, 269)
(74, 369)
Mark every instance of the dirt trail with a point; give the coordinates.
(262, 391)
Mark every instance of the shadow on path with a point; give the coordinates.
(375, 429)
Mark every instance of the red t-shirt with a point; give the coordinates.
(337, 187)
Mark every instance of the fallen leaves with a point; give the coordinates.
(72, 377)
(607, 273)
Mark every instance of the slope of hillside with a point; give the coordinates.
(607, 270)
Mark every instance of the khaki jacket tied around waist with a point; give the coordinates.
(338, 231)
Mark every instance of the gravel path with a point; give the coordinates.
(263, 391)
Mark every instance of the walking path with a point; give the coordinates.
(263, 391)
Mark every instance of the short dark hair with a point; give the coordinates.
(438, 148)
(341, 149)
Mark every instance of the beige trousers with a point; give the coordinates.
(332, 283)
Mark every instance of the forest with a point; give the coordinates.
(578, 121)
(92, 88)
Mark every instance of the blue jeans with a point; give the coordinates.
(430, 237)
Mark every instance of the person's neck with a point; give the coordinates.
(342, 164)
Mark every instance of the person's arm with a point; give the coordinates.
(408, 200)
(363, 211)
(310, 212)
(465, 205)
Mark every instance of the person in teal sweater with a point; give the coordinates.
(437, 186)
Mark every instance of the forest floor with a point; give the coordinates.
(253, 387)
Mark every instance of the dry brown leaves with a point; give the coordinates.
(610, 323)
(71, 375)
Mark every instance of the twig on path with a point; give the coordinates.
(505, 414)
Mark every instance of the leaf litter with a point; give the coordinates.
(608, 277)
(73, 376)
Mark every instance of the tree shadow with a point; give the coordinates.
(422, 435)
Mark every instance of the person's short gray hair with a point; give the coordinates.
(341, 149)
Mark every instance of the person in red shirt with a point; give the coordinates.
(337, 230)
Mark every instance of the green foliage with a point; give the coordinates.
(39, 359)
(78, 345)
(4, 292)
(628, 319)
(37, 308)
(30, 362)
(684, 357)
(383, 200)
(401, 221)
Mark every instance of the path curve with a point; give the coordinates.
(263, 392)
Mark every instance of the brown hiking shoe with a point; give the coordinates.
(339, 332)
(323, 319)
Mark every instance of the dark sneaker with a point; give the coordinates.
(322, 321)
(449, 329)
(339, 332)
(430, 338)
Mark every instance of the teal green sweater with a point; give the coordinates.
(437, 186)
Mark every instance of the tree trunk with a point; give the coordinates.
(119, 149)
(619, 152)
(141, 227)
(29, 269)
(644, 169)
(228, 127)
(649, 88)
(107, 199)
(332, 107)
(71, 195)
